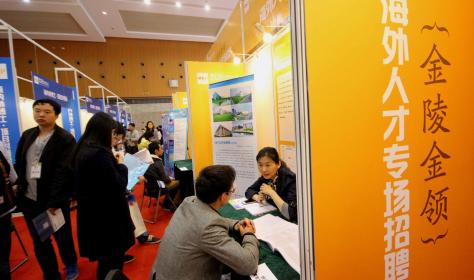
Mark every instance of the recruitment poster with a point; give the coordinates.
(233, 128)
(9, 122)
(43, 88)
(113, 111)
(282, 74)
(94, 105)
(175, 138)
(390, 104)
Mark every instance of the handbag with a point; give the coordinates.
(7, 203)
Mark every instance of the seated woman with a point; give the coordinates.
(144, 140)
(277, 183)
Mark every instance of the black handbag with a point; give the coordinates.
(7, 203)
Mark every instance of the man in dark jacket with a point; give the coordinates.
(45, 184)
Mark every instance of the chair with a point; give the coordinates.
(162, 190)
(25, 259)
(116, 274)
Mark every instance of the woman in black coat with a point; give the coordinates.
(277, 184)
(104, 227)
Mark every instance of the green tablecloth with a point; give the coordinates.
(274, 260)
(184, 163)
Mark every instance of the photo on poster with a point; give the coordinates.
(242, 112)
(222, 113)
(221, 99)
(242, 128)
(241, 95)
(223, 129)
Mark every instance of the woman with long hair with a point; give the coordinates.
(104, 226)
(150, 126)
(277, 183)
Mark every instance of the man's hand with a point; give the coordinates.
(119, 157)
(246, 226)
(52, 211)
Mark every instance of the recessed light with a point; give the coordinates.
(207, 7)
(104, 13)
(26, 1)
(148, 2)
(178, 4)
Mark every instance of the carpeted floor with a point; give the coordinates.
(136, 270)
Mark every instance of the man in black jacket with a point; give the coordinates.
(45, 184)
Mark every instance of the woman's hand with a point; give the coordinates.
(267, 189)
(258, 197)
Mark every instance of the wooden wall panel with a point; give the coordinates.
(162, 61)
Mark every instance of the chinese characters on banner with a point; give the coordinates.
(94, 105)
(112, 110)
(9, 125)
(396, 148)
(435, 108)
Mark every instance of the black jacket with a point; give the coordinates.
(285, 188)
(155, 171)
(104, 225)
(55, 185)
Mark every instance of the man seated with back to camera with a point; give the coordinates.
(156, 171)
(197, 243)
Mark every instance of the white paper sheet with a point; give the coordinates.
(263, 273)
(57, 220)
(256, 209)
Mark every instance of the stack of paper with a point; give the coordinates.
(47, 223)
(281, 236)
(237, 203)
(256, 209)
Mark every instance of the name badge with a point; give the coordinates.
(36, 171)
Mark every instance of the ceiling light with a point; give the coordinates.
(26, 1)
(148, 2)
(178, 4)
(267, 37)
(236, 60)
(207, 7)
(104, 13)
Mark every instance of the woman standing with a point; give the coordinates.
(277, 183)
(104, 226)
(150, 126)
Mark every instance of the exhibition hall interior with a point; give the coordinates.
(236, 139)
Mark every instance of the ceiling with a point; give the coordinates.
(94, 20)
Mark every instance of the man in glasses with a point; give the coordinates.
(197, 243)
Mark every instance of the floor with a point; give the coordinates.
(136, 270)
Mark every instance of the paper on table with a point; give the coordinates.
(237, 203)
(256, 209)
(280, 235)
(184, 168)
(136, 167)
(57, 220)
(263, 273)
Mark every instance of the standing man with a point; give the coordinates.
(132, 136)
(45, 184)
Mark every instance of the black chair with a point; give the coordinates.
(152, 193)
(116, 274)
(25, 259)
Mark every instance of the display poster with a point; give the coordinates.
(390, 101)
(123, 117)
(9, 122)
(113, 111)
(129, 118)
(283, 78)
(175, 138)
(94, 105)
(180, 100)
(43, 88)
(198, 77)
(233, 128)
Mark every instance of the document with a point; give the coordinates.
(238, 203)
(144, 155)
(136, 167)
(263, 273)
(281, 236)
(257, 209)
(46, 223)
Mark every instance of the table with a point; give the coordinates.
(274, 260)
(183, 171)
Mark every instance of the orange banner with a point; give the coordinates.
(391, 138)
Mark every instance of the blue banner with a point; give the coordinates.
(112, 110)
(175, 134)
(123, 117)
(9, 124)
(94, 105)
(43, 88)
(129, 117)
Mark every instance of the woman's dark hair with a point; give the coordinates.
(213, 181)
(98, 132)
(155, 145)
(272, 153)
(120, 130)
(146, 126)
(147, 135)
(54, 104)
